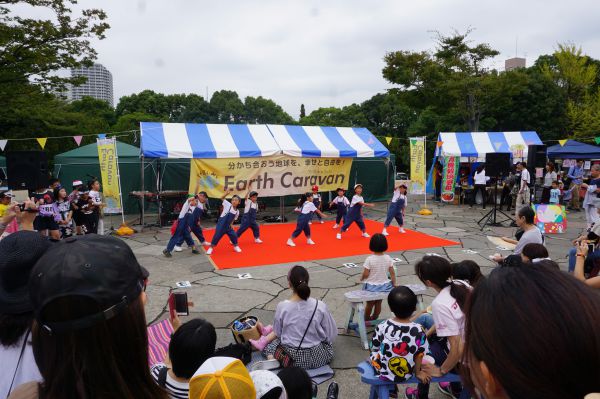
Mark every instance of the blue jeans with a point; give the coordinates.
(573, 258)
(426, 320)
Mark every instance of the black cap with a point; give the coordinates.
(252, 194)
(18, 254)
(101, 268)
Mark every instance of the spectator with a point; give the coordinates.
(90, 337)
(468, 271)
(546, 263)
(591, 236)
(190, 346)
(575, 175)
(297, 383)
(592, 281)
(378, 274)
(305, 328)
(480, 185)
(534, 253)
(18, 254)
(83, 213)
(9, 225)
(267, 385)
(64, 212)
(549, 178)
(524, 312)
(531, 234)
(555, 193)
(438, 170)
(523, 194)
(507, 197)
(53, 184)
(446, 347)
(95, 205)
(222, 377)
(591, 194)
(74, 200)
(45, 222)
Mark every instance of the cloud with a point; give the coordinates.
(314, 52)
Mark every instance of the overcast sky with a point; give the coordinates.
(320, 53)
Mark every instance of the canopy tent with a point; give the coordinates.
(574, 150)
(191, 140)
(82, 163)
(477, 144)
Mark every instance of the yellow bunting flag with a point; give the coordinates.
(440, 143)
(388, 140)
(42, 141)
(562, 142)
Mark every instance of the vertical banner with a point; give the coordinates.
(449, 178)
(111, 186)
(417, 165)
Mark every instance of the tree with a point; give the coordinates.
(131, 122)
(263, 110)
(227, 106)
(93, 108)
(302, 111)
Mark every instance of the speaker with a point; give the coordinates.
(497, 164)
(26, 170)
(536, 157)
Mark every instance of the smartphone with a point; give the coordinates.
(178, 304)
(590, 248)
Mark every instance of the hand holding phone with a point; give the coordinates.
(178, 304)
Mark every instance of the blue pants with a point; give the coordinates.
(248, 223)
(220, 232)
(182, 233)
(426, 320)
(573, 258)
(354, 216)
(341, 213)
(197, 231)
(302, 225)
(394, 212)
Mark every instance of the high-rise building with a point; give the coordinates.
(99, 84)
(514, 63)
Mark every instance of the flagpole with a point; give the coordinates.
(119, 182)
(425, 162)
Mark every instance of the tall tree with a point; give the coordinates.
(227, 106)
(263, 110)
(302, 111)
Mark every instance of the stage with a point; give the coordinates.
(274, 250)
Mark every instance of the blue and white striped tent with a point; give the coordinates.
(477, 144)
(189, 140)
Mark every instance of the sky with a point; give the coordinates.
(318, 53)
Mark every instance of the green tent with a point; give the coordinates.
(82, 163)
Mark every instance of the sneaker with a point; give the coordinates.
(271, 364)
(446, 389)
(266, 330)
(309, 222)
(259, 344)
(310, 242)
(167, 253)
(401, 230)
(366, 235)
(335, 226)
(290, 242)
(322, 221)
(209, 251)
(411, 393)
(385, 233)
(205, 243)
(237, 249)
(258, 240)
(195, 251)
(338, 236)
(178, 248)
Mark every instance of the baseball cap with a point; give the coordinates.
(6, 194)
(97, 267)
(222, 378)
(77, 183)
(265, 382)
(357, 185)
(19, 252)
(252, 194)
(315, 188)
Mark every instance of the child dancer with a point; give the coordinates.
(355, 213)
(396, 209)
(306, 209)
(194, 222)
(249, 218)
(375, 274)
(183, 227)
(229, 214)
(342, 204)
(317, 202)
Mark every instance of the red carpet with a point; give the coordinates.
(274, 250)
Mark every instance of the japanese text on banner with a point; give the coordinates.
(417, 165)
(449, 178)
(269, 176)
(107, 157)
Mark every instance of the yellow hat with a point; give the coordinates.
(222, 378)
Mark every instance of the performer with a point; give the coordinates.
(342, 204)
(396, 209)
(229, 214)
(317, 202)
(183, 230)
(194, 223)
(355, 213)
(249, 218)
(306, 207)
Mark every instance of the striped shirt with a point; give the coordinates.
(175, 389)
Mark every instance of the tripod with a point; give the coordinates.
(490, 218)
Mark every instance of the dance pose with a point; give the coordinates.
(228, 215)
(317, 202)
(249, 218)
(194, 222)
(342, 204)
(306, 209)
(396, 209)
(355, 213)
(182, 232)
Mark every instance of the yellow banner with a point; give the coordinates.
(269, 176)
(417, 165)
(107, 156)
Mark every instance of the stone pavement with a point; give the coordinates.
(220, 296)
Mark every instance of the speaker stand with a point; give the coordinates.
(490, 218)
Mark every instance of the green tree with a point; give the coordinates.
(227, 106)
(302, 111)
(263, 110)
(94, 108)
(130, 123)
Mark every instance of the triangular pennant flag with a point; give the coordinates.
(440, 143)
(77, 140)
(371, 141)
(388, 140)
(3, 144)
(562, 142)
(497, 145)
(102, 135)
(42, 141)
(597, 140)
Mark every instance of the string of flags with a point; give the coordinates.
(78, 138)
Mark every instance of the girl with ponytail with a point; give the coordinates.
(449, 320)
(304, 326)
